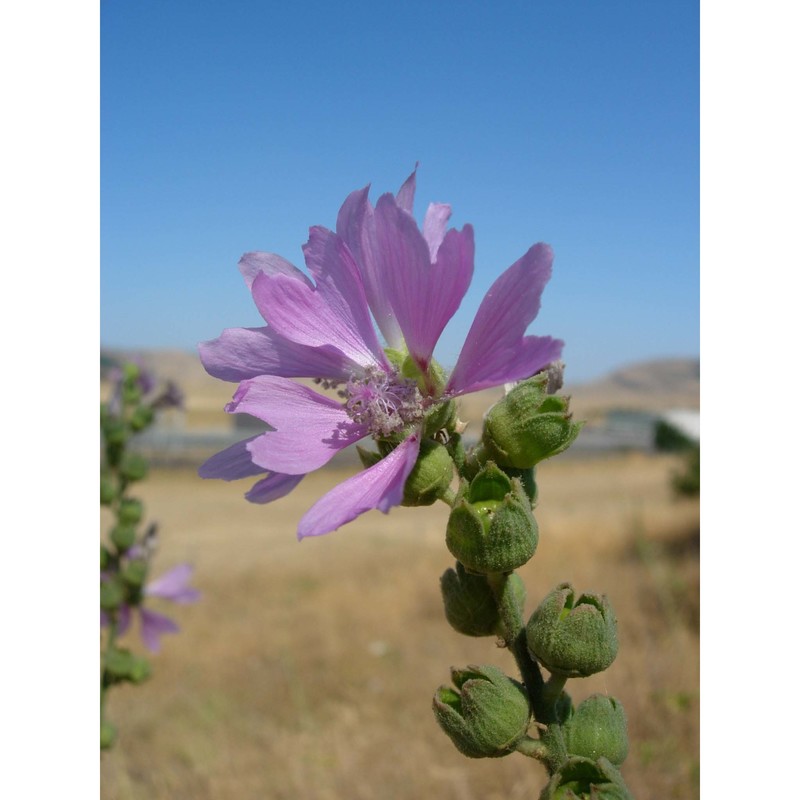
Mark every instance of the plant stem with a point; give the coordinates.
(513, 632)
(533, 748)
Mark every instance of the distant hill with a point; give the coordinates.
(656, 385)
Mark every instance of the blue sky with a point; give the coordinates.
(229, 127)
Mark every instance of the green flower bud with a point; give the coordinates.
(123, 537)
(469, 602)
(486, 714)
(104, 557)
(133, 467)
(108, 733)
(112, 594)
(598, 727)
(108, 489)
(120, 664)
(135, 572)
(130, 511)
(491, 527)
(581, 779)
(573, 637)
(431, 476)
(528, 425)
(141, 418)
(114, 431)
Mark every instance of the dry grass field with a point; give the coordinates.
(307, 669)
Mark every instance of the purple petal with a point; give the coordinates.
(405, 195)
(252, 264)
(174, 585)
(334, 314)
(356, 225)
(123, 619)
(153, 626)
(434, 226)
(424, 296)
(309, 428)
(380, 486)
(496, 350)
(273, 487)
(232, 463)
(242, 353)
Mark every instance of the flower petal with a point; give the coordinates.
(405, 195)
(424, 296)
(153, 626)
(273, 487)
(380, 486)
(496, 350)
(232, 463)
(334, 314)
(174, 585)
(309, 428)
(252, 264)
(242, 353)
(356, 225)
(434, 226)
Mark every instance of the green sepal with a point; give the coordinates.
(598, 727)
(134, 467)
(486, 714)
(130, 511)
(491, 527)
(123, 537)
(469, 602)
(573, 636)
(119, 664)
(112, 594)
(528, 425)
(580, 778)
(141, 418)
(134, 572)
(108, 489)
(431, 475)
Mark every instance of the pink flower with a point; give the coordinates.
(412, 282)
(172, 585)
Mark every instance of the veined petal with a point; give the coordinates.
(174, 585)
(434, 226)
(334, 314)
(424, 296)
(333, 267)
(153, 626)
(380, 486)
(356, 225)
(252, 264)
(242, 353)
(496, 347)
(309, 428)
(273, 487)
(232, 463)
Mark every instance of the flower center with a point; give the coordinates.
(385, 403)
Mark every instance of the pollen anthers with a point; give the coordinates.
(385, 403)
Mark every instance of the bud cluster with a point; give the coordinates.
(491, 532)
(125, 555)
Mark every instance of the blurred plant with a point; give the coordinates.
(126, 554)
(379, 265)
(668, 439)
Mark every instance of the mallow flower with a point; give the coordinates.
(173, 585)
(377, 265)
